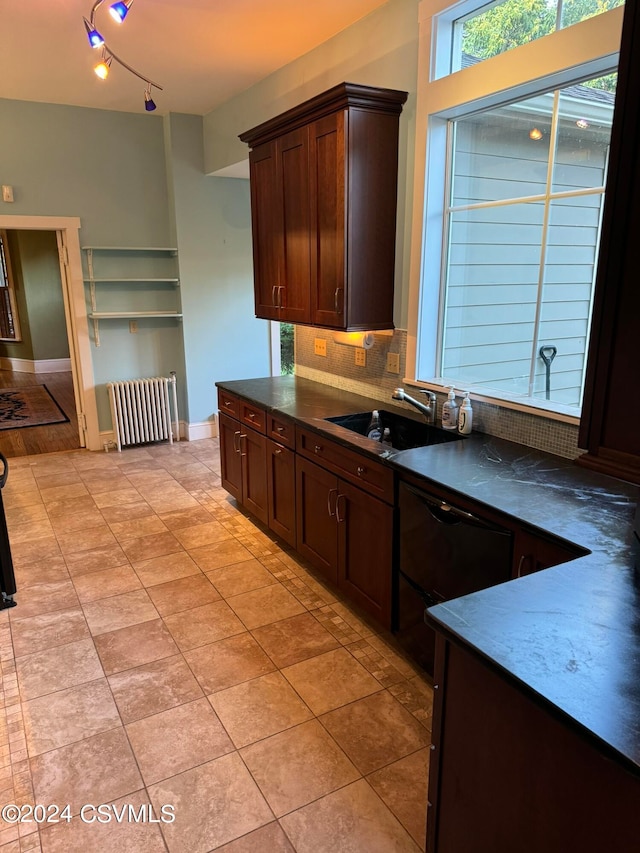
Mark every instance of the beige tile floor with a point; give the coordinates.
(165, 650)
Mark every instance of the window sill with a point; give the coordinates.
(540, 408)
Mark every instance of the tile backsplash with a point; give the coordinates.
(338, 368)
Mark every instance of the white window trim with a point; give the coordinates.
(592, 44)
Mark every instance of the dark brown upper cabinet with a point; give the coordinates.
(609, 428)
(324, 181)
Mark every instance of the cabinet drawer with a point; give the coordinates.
(357, 469)
(252, 416)
(228, 404)
(281, 430)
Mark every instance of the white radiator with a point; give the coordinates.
(141, 410)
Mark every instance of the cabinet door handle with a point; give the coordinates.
(280, 289)
(317, 449)
(340, 519)
(522, 561)
(277, 451)
(274, 296)
(331, 511)
(337, 301)
(236, 441)
(243, 435)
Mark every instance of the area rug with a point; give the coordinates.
(29, 407)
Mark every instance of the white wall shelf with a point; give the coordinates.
(120, 315)
(135, 282)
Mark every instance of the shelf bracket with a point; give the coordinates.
(96, 332)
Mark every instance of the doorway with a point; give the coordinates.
(85, 423)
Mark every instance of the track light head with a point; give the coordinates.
(118, 11)
(149, 103)
(95, 39)
(103, 67)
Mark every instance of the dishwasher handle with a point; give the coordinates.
(443, 512)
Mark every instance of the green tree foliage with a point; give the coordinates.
(516, 22)
(286, 348)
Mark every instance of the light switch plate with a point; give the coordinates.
(319, 346)
(361, 357)
(133, 327)
(393, 362)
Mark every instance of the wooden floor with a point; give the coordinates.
(42, 439)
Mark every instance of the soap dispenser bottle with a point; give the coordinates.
(465, 417)
(374, 430)
(450, 411)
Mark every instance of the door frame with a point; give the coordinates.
(75, 309)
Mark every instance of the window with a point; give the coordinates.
(500, 26)
(522, 225)
(9, 323)
(514, 189)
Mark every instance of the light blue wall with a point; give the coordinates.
(222, 337)
(108, 168)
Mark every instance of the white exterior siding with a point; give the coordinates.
(494, 255)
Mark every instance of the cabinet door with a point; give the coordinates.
(294, 283)
(328, 221)
(230, 460)
(266, 229)
(281, 483)
(532, 553)
(365, 541)
(316, 534)
(254, 473)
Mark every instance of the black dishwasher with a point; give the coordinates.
(444, 552)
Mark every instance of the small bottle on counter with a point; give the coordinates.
(465, 416)
(450, 411)
(374, 430)
(386, 437)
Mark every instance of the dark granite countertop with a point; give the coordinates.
(569, 634)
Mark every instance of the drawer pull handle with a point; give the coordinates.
(361, 471)
(330, 510)
(228, 404)
(277, 451)
(317, 449)
(252, 415)
(280, 429)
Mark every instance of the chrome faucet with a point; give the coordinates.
(429, 411)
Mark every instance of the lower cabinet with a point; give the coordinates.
(533, 552)
(507, 775)
(281, 486)
(348, 535)
(244, 468)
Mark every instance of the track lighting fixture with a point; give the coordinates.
(149, 103)
(95, 39)
(119, 12)
(102, 68)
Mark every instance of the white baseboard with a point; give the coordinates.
(188, 432)
(43, 365)
(205, 429)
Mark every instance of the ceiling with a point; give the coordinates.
(202, 52)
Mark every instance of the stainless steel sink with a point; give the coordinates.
(405, 433)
